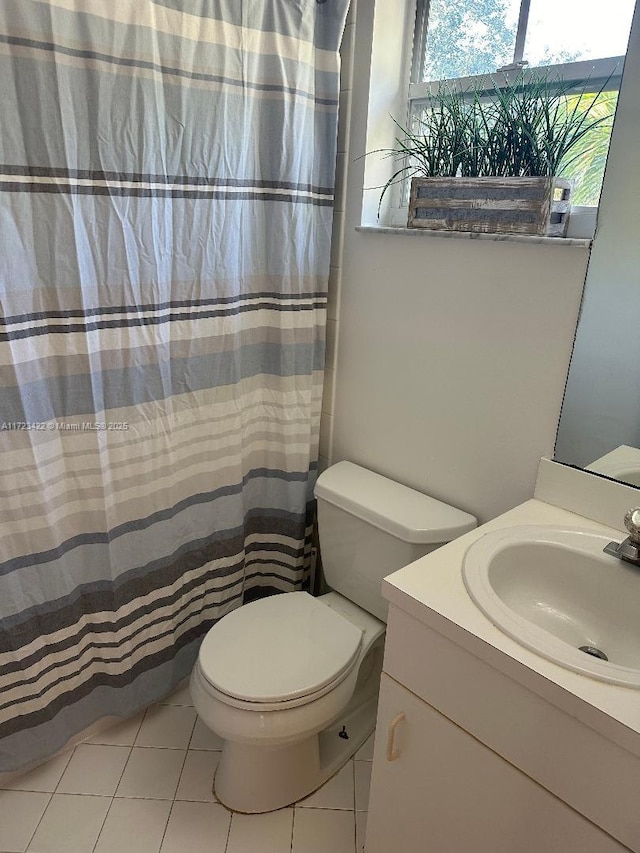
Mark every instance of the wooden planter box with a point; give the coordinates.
(491, 205)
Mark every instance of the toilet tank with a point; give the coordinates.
(369, 526)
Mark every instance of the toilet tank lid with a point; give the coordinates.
(403, 512)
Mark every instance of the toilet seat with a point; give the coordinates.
(280, 651)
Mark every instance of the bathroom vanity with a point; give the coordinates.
(485, 746)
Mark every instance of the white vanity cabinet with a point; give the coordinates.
(445, 792)
(436, 788)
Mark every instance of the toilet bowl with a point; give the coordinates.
(269, 717)
(290, 682)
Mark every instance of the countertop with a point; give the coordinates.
(432, 591)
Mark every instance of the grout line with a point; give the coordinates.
(73, 752)
(144, 717)
(293, 824)
(193, 728)
(126, 764)
(173, 799)
(40, 821)
(355, 832)
(226, 846)
(173, 748)
(112, 797)
(353, 771)
(166, 826)
(355, 827)
(102, 824)
(76, 794)
(152, 799)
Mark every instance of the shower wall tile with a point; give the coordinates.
(339, 201)
(337, 240)
(334, 293)
(332, 339)
(344, 110)
(327, 391)
(337, 236)
(326, 427)
(346, 57)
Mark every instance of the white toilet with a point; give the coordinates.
(290, 682)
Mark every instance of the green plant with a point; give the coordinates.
(534, 126)
(589, 156)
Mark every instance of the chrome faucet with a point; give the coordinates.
(629, 550)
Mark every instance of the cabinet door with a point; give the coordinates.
(436, 789)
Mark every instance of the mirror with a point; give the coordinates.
(599, 426)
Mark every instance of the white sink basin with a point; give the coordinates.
(553, 590)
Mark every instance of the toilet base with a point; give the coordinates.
(255, 779)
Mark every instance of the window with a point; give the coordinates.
(481, 43)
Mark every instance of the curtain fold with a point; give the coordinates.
(166, 190)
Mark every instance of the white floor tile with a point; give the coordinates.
(121, 734)
(261, 833)
(181, 696)
(44, 778)
(94, 769)
(20, 812)
(336, 793)
(363, 783)
(197, 777)
(361, 828)
(197, 828)
(204, 738)
(71, 824)
(152, 773)
(134, 826)
(323, 831)
(167, 726)
(365, 753)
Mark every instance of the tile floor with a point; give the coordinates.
(144, 786)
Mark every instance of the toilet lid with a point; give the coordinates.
(279, 648)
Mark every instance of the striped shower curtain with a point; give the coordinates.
(166, 185)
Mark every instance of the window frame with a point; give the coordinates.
(587, 76)
(582, 71)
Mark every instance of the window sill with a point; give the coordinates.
(575, 242)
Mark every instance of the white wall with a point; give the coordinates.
(602, 405)
(450, 355)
